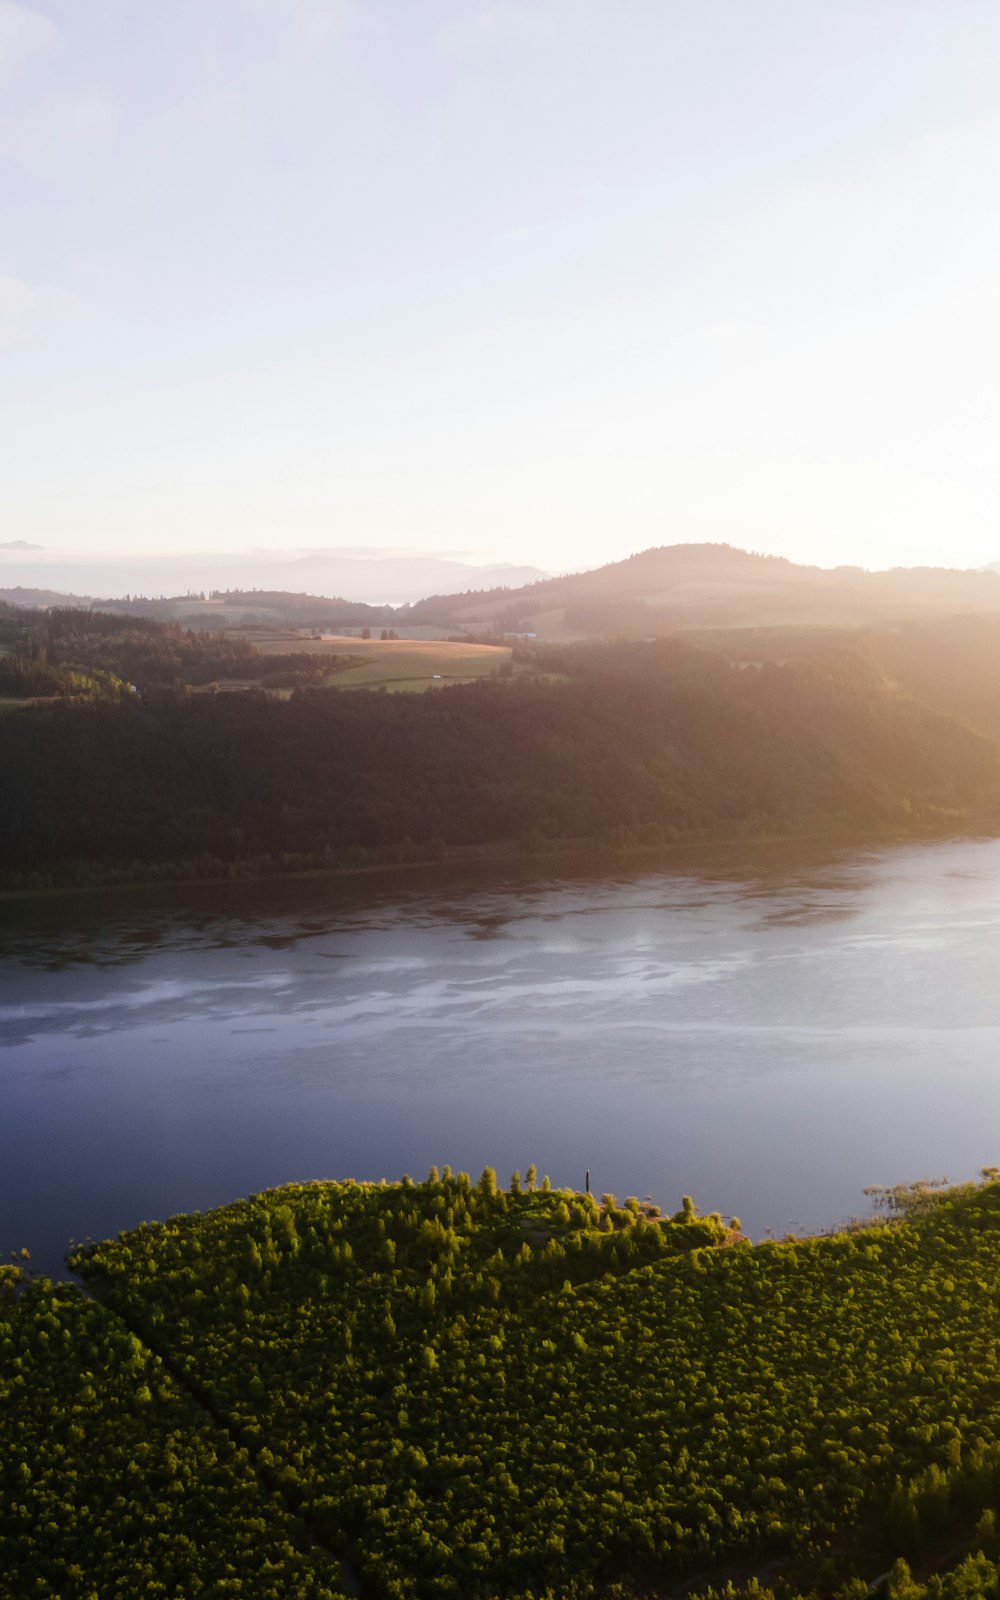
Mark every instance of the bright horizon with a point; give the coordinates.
(545, 283)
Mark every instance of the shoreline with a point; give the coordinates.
(507, 853)
(899, 1205)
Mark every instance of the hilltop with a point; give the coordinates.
(670, 589)
(676, 587)
(42, 599)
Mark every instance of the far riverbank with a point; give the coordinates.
(548, 857)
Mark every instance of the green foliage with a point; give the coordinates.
(115, 1483)
(484, 1394)
(369, 1310)
(529, 1393)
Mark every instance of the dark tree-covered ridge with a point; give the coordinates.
(618, 744)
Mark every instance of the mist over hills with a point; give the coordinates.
(669, 589)
(377, 577)
(33, 599)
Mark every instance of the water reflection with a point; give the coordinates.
(769, 1040)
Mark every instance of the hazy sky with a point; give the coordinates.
(549, 281)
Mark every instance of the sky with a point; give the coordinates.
(545, 282)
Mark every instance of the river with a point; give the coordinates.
(765, 1032)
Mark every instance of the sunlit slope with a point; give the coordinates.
(951, 663)
(113, 1482)
(402, 664)
(93, 655)
(484, 1394)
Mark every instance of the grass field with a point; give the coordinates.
(408, 665)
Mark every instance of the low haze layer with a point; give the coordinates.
(380, 576)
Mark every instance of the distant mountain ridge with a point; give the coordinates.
(380, 578)
(677, 587)
(34, 599)
(235, 608)
(668, 589)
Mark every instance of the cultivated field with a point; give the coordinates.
(397, 664)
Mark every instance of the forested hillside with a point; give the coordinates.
(114, 1483)
(482, 1393)
(622, 744)
(95, 655)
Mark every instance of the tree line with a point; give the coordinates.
(83, 655)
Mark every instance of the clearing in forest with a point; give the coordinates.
(401, 664)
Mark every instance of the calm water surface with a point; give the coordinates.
(767, 1035)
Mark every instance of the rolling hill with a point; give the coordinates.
(686, 586)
